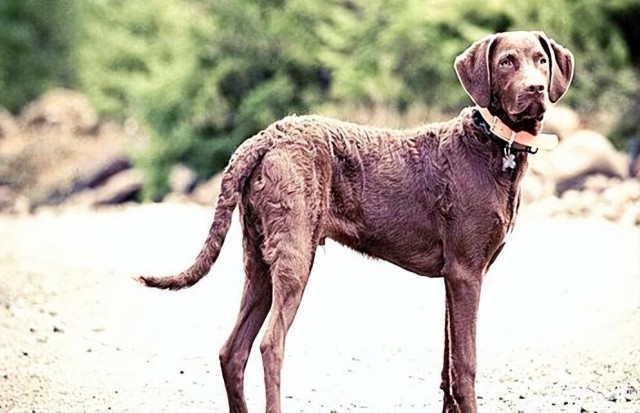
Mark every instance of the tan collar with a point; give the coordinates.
(499, 129)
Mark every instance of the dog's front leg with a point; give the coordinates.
(459, 371)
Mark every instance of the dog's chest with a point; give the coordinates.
(485, 210)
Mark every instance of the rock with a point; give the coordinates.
(86, 179)
(207, 192)
(538, 182)
(623, 394)
(634, 156)
(22, 205)
(585, 153)
(600, 197)
(623, 194)
(631, 215)
(13, 202)
(63, 109)
(101, 173)
(535, 188)
(561, 121)
(121, 187)
(599, 183)
(634, 167)
(7, 198)
(182, 179)
(607, 211)
(541, 163)
(8, 124)
(573, 204)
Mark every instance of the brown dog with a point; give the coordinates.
(437, 200)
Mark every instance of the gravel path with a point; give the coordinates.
(559, 327)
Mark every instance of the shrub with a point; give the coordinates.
(206, 74)
(203, 75)
(35, 44)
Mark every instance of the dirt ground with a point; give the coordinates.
(559, 327)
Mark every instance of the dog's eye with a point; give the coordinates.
(543, 60)
(505, 62)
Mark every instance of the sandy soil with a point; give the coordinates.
(559, 327)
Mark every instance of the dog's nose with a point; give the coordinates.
(535, 89)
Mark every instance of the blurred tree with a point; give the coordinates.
(625, 15)
(35, 43)
(401, 51)
(604, 76)
(397, 52)
(141, 60)
(204, 75)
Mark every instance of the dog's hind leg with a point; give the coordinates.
(256, 302)
(290, 274)
(289, 223)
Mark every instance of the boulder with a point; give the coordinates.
(634, 156)
(7, 198)
(600, 197)
(85, 179)
(182, 179)
(634, 168)
(625, 193)
(535, 187)
(62, 109)
(8, 124)
(561, 121)
(13, 202)
(97, 176)
(121, 187)
(538, 182)
(207, 192)
(585, 153)
(599, 183)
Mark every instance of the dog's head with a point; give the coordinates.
(515, 74)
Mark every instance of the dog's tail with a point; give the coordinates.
(240, 168)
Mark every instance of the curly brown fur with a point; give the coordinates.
(433, 200)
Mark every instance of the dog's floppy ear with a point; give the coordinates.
(561, 67)
(472, 68)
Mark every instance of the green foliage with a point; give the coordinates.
(128, 48)
(203, 75)
(398, 52)
(604, 77)
(401, 51)
(147, 67)
(35, 41)
(206, 75)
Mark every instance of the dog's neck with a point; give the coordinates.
(500, 129)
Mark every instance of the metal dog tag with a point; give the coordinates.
(508, 161)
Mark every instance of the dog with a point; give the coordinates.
(437, 200)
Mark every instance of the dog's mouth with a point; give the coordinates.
(532, 110)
